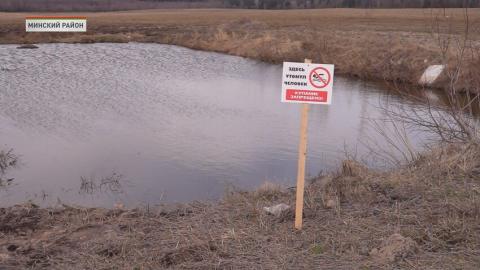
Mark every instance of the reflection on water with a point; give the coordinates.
(176, 124)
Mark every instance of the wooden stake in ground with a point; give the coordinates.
(305, 83)
(302, 156)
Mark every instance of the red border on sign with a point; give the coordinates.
(306, 95)
(326, 83)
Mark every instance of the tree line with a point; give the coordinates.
(286, 4)
(103, 5)
(106, 5)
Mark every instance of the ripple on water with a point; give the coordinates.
(177, 124)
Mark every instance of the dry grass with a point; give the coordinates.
(434, 202)
(8, 160)
(395, 45)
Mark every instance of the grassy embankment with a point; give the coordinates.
(431, 207)
(396, 45)
(425, 215)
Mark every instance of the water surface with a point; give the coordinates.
(172, 124)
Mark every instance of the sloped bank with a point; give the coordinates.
(422, 216)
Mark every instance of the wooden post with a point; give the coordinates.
(302, 156)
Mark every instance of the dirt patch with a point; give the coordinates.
(19, 218)
(396, 247)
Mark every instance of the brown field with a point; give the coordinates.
(393, 45)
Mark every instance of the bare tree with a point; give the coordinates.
(451, 115)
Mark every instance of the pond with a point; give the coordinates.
(99, 124)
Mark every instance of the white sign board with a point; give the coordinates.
(307, 83)
(55, 24)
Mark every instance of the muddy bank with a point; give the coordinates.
(422, 216)
(396, 46)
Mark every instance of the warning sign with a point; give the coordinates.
(307, 83)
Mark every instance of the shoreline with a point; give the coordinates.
(360, 42)
(383, 83)
(410, 217)
(119, 39)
